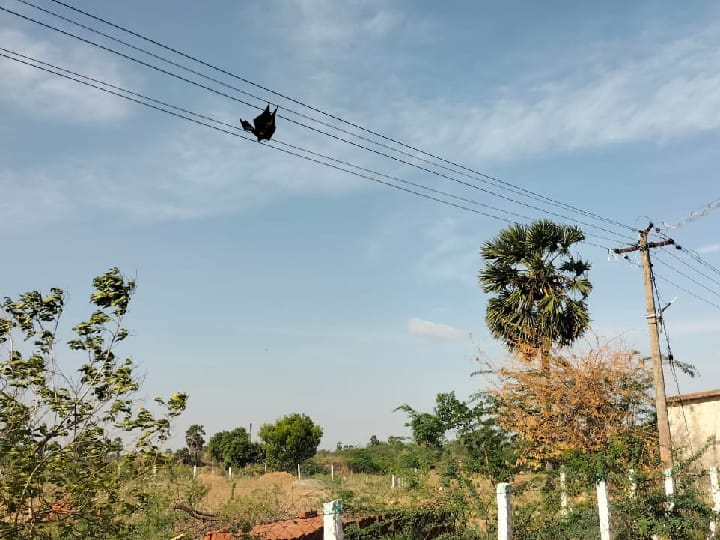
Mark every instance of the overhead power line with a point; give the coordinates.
(356, 167)
(320, 131)
(696, 257)
(693, 256)
(685, 263)
(685, 290)
(305, 153)
(674, 284)
(237, 131)
(693, 216)
(712, 291)
(477, 175)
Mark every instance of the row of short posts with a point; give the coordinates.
(505, 529)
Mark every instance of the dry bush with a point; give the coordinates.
(575, 402)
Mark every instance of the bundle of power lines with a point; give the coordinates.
(492, 197)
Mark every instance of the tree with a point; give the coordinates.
(184, 456)
(233, 448)
(291, 440)
(195, 441)
(582, 404)
(491, 450)
(540, 289)
(427, 429)
(59, 431)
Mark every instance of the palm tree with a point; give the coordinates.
(195, 441)
(540, 289)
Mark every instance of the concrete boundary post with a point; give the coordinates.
(332, 520)
(505, 531)
(603, 510)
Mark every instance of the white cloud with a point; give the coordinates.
(434, 331)
(710, 248)
(43, 94)
(320, 24)
(652, 93)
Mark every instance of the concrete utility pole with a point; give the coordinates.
(644, 247)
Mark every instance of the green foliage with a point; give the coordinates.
(363, 460)
(62, 473)
(407, 524)
(184, 456)
(234, 449)
(194, 438)
(396, 457)
(427, 429)
(646, 514)
(539, 289)
(290, 441)
(488, 449)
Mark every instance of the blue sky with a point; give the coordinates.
(270, 285)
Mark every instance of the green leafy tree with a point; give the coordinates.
(490, 450)
(234, 449)
(539, 288)
(194, 438)
(291, 440)
(427, 429)
(62, 472)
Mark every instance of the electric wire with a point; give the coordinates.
(689, 278)
(696, 257)
(240, 129)
(681, 288)
(693, 216)
(685, 263)
(116, 91)
(238, 132)
(336, 137)
(483, 177)
(674, 284)
(693, 255)
(237, 129)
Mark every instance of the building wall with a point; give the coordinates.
(702, 414)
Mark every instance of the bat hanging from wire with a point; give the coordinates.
(263, 125)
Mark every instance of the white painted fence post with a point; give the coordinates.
(603, 510)
(332, 471)
(332, 520)
(298, 471)
(563, 495)
(669, 488)
(505, 531)
(392, 482)
(715, 492)
(194, 471)
(229, 473)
